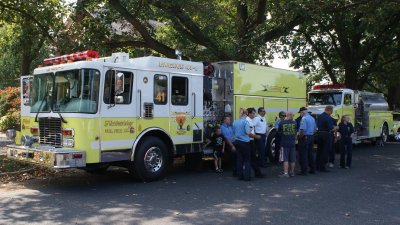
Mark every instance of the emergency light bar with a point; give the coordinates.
(78, 56)
(329, 86)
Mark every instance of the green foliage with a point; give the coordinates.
(9, 108)
(9, 100)
(346, 42)
(10, 121)
(27, 28)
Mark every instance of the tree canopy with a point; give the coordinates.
(355, 42)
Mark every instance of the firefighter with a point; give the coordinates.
(227, 131)
(325, 128)
(260, 127)
(306, 142)
(282, 116)
(242, 130)
(250, 116)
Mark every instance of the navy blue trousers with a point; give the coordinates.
(306, 154)
(324, 144)
(346, 148)
(243, 159)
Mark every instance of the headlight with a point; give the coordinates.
(26, 140)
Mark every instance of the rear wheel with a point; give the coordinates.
(383, 138)
(151, 160)
(384, 134)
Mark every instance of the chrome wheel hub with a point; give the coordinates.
(153, 159)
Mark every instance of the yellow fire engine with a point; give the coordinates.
(80, 111)
(368, 111)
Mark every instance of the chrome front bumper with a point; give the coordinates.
(58, 158)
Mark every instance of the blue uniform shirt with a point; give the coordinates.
(227, 131)
(324, 122)
(346, 129)
(277, 123)
(307, 124)
(241, 128)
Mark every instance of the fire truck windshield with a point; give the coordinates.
(42, 88)
(326, 98)
(71, 91)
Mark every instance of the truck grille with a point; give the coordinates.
(50, 131)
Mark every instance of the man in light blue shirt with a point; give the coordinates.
(306, 142)
(227, 132)
(241, 128)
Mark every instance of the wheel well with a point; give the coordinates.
(272, 130)
(164, 137)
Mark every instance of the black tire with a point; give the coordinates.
(383, 138)
(151, 160)
(384, 134)
(270, 146)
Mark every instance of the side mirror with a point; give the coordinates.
(119, 83)
(119, 99)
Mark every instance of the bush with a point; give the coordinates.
(9, 121)
(9, 108)
(10, 100)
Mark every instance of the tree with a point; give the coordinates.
(30, 27)
(347, 42)
(204, 30)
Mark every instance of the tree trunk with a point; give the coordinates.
(26, 61)
(393, 96)
(351, 76)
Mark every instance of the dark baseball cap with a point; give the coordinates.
(302, 109)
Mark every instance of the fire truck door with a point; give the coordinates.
(118, 111)
(26, 88)
(181, 109)
(152, 101)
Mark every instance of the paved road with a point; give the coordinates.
(367, 194)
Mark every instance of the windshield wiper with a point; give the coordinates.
(62, 119)
(41, 104)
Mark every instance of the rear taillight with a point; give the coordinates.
(77, 155)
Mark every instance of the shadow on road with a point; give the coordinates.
(367, 194)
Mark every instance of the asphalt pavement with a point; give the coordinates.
(369, 193)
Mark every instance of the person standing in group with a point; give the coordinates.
(282, 116)
(251, 114)
(332, 149)
(218, 143)
(260, 127)
(242, 130)
(288, 131)
(306, 142)
(346, 131)
(227, 131)
(325, 128)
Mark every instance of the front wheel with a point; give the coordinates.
(151, 160)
